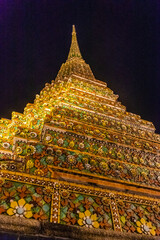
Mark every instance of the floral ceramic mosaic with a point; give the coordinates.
(83, 210)
(28, 201)
(139, 218)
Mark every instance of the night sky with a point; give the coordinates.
(119, 39)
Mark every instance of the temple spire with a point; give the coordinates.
(75, 64)
(74, 49)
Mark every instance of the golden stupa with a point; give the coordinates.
(77, 157)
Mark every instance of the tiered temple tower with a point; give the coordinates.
(77, 157)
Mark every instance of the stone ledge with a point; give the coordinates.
(37, 229)
(19, 225)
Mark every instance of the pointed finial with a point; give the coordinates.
(73, 29)
(75, 63)
(74, 49)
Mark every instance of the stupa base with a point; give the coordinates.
(17, 228)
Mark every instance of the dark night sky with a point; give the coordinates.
(120, 39)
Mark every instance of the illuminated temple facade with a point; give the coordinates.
(77, 165)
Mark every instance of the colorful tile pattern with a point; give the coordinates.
(24, 200)
(86, 211)
(143, 219)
